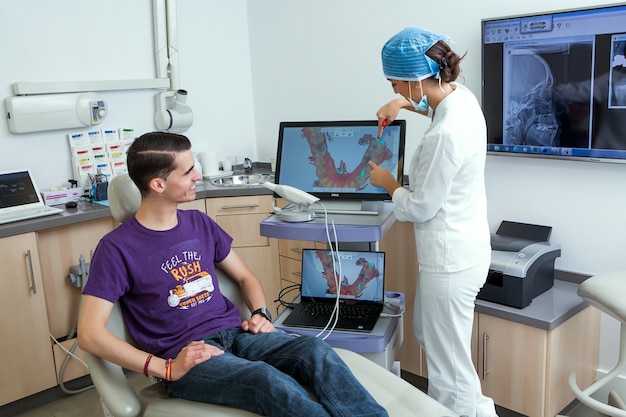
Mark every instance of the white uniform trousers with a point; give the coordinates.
(443, 320)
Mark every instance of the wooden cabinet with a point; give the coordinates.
(402, 272)
(59, 249)
(512, 362)
(27, 361)
(241, 218)
(525, 369)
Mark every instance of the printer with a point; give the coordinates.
(522, 264)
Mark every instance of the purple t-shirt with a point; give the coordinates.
(164, 281)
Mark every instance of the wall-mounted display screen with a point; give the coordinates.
(554, 84)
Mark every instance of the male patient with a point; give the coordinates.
(196, 343)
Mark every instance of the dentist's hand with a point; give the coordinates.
(381, 177)
(388, 113)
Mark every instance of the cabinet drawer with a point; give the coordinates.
(244, 229)
(221, 206)
(293, 248)
(241, 218)
(290, 270)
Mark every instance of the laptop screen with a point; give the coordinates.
(17, 189)
(362, 275)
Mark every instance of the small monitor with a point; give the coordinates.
(330, 159)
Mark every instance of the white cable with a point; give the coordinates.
(334, 317)
(68, 352)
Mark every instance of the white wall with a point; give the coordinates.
(250, 64)
(74, 40)
(321, 60)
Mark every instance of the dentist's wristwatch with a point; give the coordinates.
(263, 311)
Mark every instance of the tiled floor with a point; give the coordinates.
(87, 404)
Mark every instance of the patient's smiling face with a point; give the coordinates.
(180, 184)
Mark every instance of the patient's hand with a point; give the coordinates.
(194, 353)
(258, 324)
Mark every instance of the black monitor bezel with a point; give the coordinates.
(344, 123)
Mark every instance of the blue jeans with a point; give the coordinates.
(265, 374)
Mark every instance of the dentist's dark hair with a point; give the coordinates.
(448, 60)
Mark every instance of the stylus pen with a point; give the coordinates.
(384, 123)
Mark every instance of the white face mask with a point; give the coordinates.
(423, 104)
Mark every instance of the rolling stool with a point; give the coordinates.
(606, 292)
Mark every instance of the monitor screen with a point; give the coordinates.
(329, 159)
(554, 84)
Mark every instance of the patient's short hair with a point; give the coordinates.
(153, 155)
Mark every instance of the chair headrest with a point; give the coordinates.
(124, 197)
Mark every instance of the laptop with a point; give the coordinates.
(361, 296)
(20, 198)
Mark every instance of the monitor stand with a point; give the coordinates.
(351, 207)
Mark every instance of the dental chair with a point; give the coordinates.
(120, 399)
(605, 292)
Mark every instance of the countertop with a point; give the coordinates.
(547, 311)
(87, 211)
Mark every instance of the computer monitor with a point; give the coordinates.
(554, 84)
(330, 159)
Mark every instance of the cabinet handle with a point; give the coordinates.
(296, 250)
(297, 274)
(485, 371)
(239, 206)
(32, 273)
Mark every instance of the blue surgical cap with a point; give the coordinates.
(404, 55)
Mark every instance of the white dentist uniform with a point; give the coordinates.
(447, 204)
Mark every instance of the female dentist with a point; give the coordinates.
(446, 201)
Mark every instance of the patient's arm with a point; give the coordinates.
(95, 338)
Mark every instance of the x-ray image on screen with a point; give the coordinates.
(533, 75)
(554, 84)
(617, 81)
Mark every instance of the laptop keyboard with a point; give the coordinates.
(350, 311)
(28, 213)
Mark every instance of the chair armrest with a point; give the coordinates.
(113, 387)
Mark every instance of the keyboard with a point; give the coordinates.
(27, 213)
(351, 311)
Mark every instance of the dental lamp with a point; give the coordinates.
(173, 114)
(301, 201)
